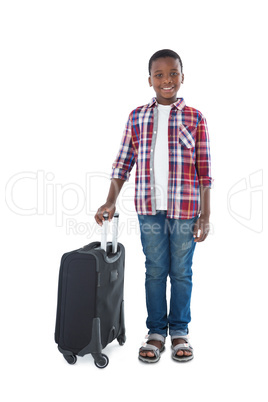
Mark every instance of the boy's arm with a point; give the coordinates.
(109, 206)
(203, 167)
(202, 222)
(121, 169)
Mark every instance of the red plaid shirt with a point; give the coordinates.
(189, 158)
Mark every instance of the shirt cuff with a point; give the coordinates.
(118, 173)
(206, 181)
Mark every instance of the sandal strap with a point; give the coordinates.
(152, 348)
(148, 348)
(182, 346)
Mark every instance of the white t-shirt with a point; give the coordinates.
(161, 160)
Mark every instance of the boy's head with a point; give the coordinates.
(164, 53)
(166, 77)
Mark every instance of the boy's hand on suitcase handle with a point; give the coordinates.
(108, 207)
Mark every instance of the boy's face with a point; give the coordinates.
(166, 79)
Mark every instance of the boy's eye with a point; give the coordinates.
(161, 75)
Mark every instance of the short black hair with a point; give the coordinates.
(164, 53)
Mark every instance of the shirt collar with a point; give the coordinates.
(179, 104)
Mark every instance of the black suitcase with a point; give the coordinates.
(90, 310)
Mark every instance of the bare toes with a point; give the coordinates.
(147, 354)
(186, 353)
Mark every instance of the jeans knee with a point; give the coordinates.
(156, 273)
(181, 274)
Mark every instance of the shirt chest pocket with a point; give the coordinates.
(187, 136)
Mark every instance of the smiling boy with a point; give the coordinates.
(166, 78)
(169, 143)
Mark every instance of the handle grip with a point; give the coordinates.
(114, 232)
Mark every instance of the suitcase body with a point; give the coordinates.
(90, 310)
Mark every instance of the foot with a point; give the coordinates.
(151, 350)
(181, 353)
(158, 344)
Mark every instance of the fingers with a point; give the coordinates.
(201, 236)
(110, 214)
(110, 209)
(201, 230)
(196, 228)
(99, 217)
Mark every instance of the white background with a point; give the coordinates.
(71, 71)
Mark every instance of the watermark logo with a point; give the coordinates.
(245, 201)
(38, 193)
(35, 193)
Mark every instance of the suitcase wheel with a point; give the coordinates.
(71, 359)
(121, 339)
(102, 361)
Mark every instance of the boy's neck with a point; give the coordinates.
(167, 102)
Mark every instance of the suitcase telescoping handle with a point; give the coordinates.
(114, 232)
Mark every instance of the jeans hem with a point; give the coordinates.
(164, 334)
(179, 332)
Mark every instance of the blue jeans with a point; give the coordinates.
(168, 245)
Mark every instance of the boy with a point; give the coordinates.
(169, 143)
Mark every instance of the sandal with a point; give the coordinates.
(147, 347)
(181, 346)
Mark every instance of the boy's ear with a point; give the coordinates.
(150, 83)
(182, 79)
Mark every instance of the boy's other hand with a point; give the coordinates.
(201, 228)
(107, 207)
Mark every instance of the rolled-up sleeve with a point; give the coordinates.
(125, 158)
(203, 161)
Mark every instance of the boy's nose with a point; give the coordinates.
(167, 79)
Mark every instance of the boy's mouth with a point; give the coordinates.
(167, 88)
